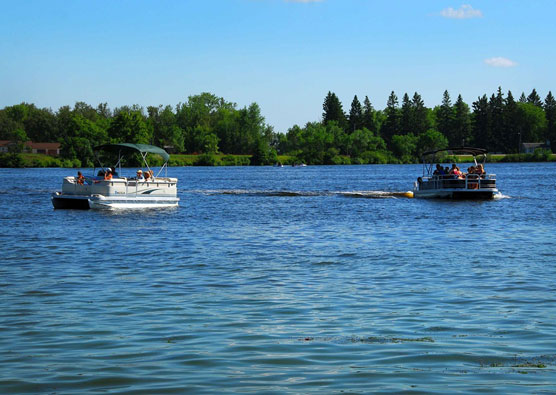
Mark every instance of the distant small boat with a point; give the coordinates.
(299, 165)
(278, 164)
(97, 192)
(436, 182)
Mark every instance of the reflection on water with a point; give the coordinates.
(317, 279)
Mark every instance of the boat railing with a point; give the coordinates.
(467, 181)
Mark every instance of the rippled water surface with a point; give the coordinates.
(316, 279)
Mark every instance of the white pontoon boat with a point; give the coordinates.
(462, 185)
(96, 192)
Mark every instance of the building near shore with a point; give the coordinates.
(52, 149)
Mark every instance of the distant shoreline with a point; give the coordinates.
(25, 160)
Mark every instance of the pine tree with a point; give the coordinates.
(510, 139)
(445, 119)
(333, 110)
(481, 122)
(534, 98)
(406, 117)
(497, 125)
(355, 115)
(550, 113)
(421, 122)
(369, 116)
(522, 98)
(391, 124)
(461, 123)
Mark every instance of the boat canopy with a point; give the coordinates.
(459, 150)
(430, 157)
(141, 148)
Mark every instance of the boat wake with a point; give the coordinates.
(499, 195)
(285, 193)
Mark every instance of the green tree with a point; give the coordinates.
(227, 128)
(355, 115)
(511, 133)
(8, 126)
(80, 137)
(404, 147)
(534, 98)
(210, 143)
(18, 137)
(18, 113)
(406, 115)
(363, 140)
(263, 154)
(532, 122)
(202, 114)
(420, 117)
(391, 124)
(369, 115)
(333, 110)
(251, 129)
(445, 120)
(86, 111)
(497, 124)
(130, 127)
(315, 140)
(40, 125)
(481, 122)
(166, 132)
(550, 114)
(431, 140)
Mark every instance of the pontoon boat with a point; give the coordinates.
(439, 182)
(96, 192)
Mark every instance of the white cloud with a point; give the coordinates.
(464, 12)
(499, 61)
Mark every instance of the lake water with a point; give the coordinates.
(296, 280)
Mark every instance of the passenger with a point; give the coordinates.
(147, 176)
(438, 170)
(455, 170)
(108, 174)
(480, 170)
(80, 178)
(151, 173)
(140, 175)
(471, 170)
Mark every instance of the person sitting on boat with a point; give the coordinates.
(455, 171)
(140, 175)
(80, 178)
(108, 174)
(439, 170)
(471, 170)
(480, 170)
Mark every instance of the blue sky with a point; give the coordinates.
(284, 55)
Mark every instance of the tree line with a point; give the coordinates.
(207, 124)
(204, 124)
(403, 131)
